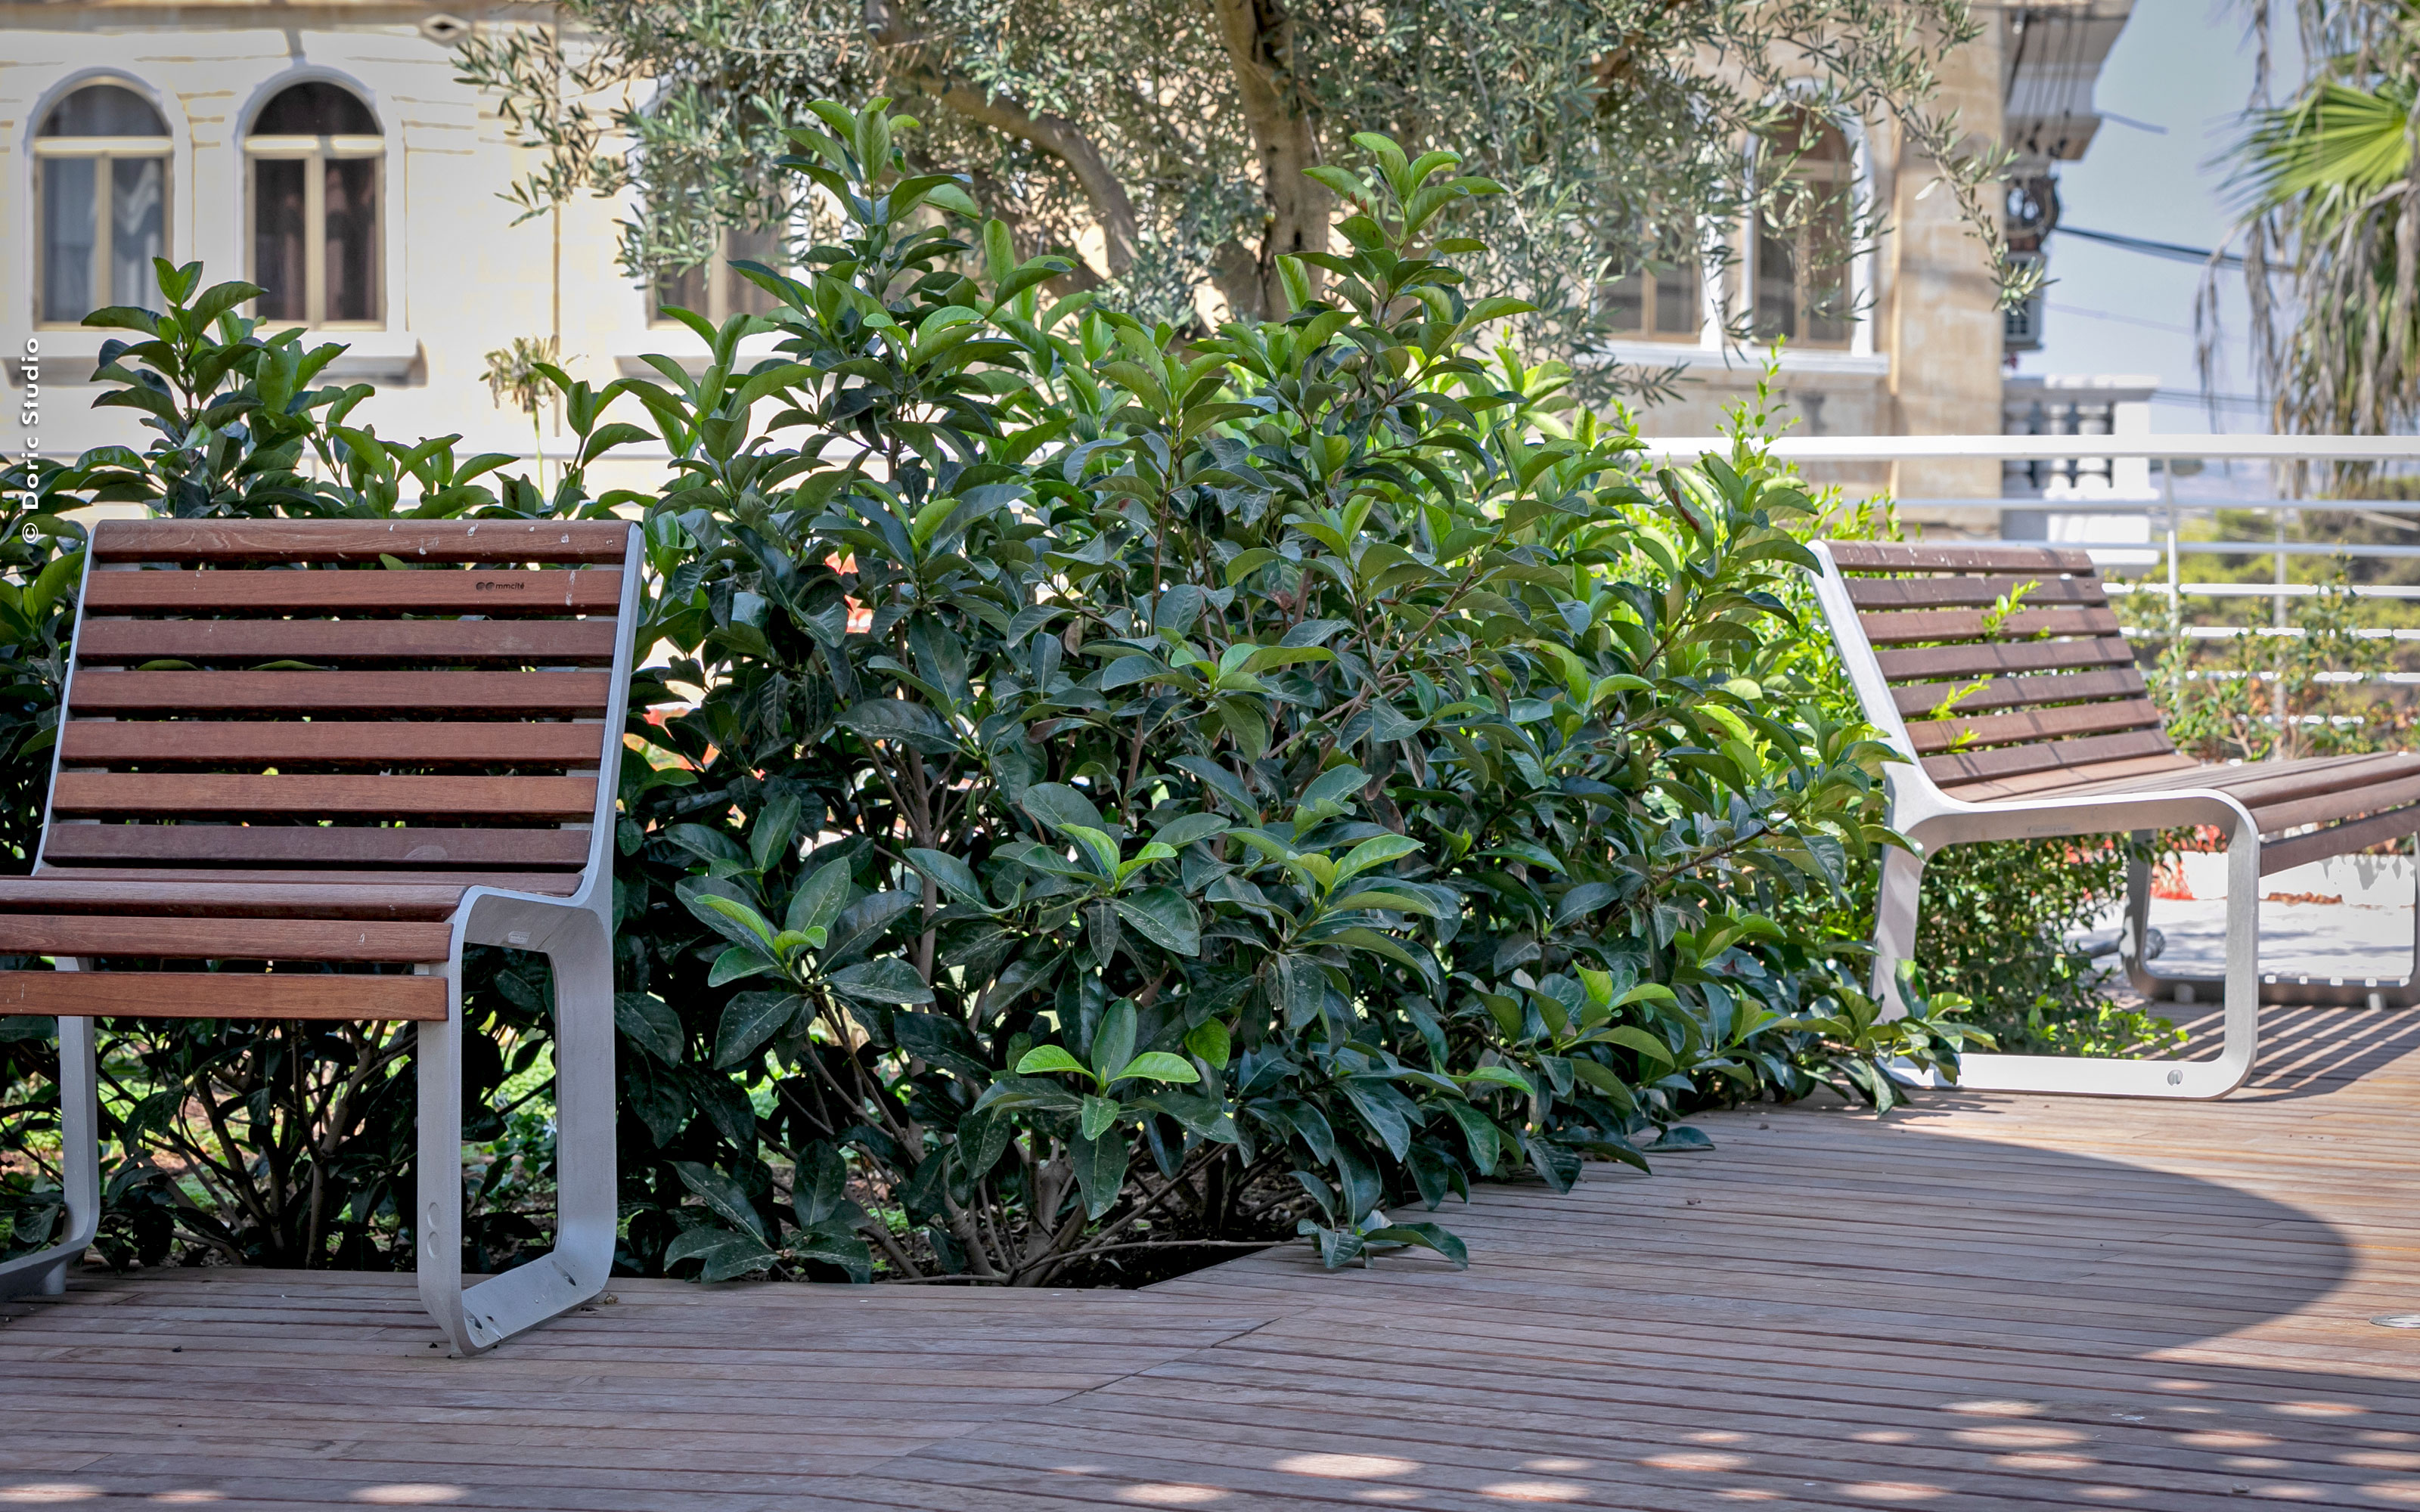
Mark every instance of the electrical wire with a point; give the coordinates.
(2173, 252)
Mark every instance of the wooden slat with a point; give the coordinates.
(288, 743)
(2017, 692)
(226, 939)
(2334, 786)
(1996, 658)
(1937, 593)
(1976, 766)
(1903, 556)
(485, 540)
(2160, 768)
(222, 995)
(525, 643)
(502, 592)
(172, 795)
(2338, 804)
(350, 692)
(221, 899)
(1967, 625)
(336, 885)
(2260, 783)
(1931, 736)
(2338, 840)
(271, 846)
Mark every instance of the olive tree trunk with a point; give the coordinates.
(1260, 43)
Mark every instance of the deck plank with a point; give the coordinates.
(1985, 1302)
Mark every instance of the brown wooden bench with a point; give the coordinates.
(2034, 722)
(300, 763)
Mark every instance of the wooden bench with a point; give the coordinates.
(2034, 723)
(302, 763)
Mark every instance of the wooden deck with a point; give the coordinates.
(1991, 1301)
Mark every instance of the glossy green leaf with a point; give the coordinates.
(648, 1022)
(1050, 1057)
(888, 979)
(738, 962)
(1165, 916)
(1158, 1066)
(749, 1019)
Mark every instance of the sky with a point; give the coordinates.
(2183, 66)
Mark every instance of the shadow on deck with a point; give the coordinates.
(1992, 1300)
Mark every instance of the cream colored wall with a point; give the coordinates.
(461, 280)
(1930, 357)
(1944, 328)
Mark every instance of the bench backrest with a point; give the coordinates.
(345, 701)
(1993, 704)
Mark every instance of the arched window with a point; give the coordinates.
(1804, 241)
(316, 155)
(101, 172)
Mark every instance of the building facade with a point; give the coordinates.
(327, 152)
(1929, 353)
(323, 151)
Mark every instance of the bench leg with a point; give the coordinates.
(46, 1270)
(1903, 885)
(2134, 933)
(2110, 1075)
(479, 1317)
(2135, 940)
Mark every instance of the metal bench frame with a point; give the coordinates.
(1932, 818)
(575, 934)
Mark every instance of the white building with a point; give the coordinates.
(325, 152)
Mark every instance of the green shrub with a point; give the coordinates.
(1112, 794)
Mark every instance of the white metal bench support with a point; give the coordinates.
(576, 935)
(578, 949)
(1950, 823)
(45, 1270)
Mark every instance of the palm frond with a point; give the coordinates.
(2334, 140)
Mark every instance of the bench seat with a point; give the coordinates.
(301, 765)
(2007, 691)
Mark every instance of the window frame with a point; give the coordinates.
(720, 279)
(1853, 171)
(1649, 299)
(42, 150)
(316, 152)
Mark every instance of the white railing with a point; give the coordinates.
(2184, 448)
(2091, 455)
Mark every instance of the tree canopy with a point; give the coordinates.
(1180, 143)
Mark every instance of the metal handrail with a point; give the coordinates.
(2089, 503)
(2167, 449)
(2049, 448)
